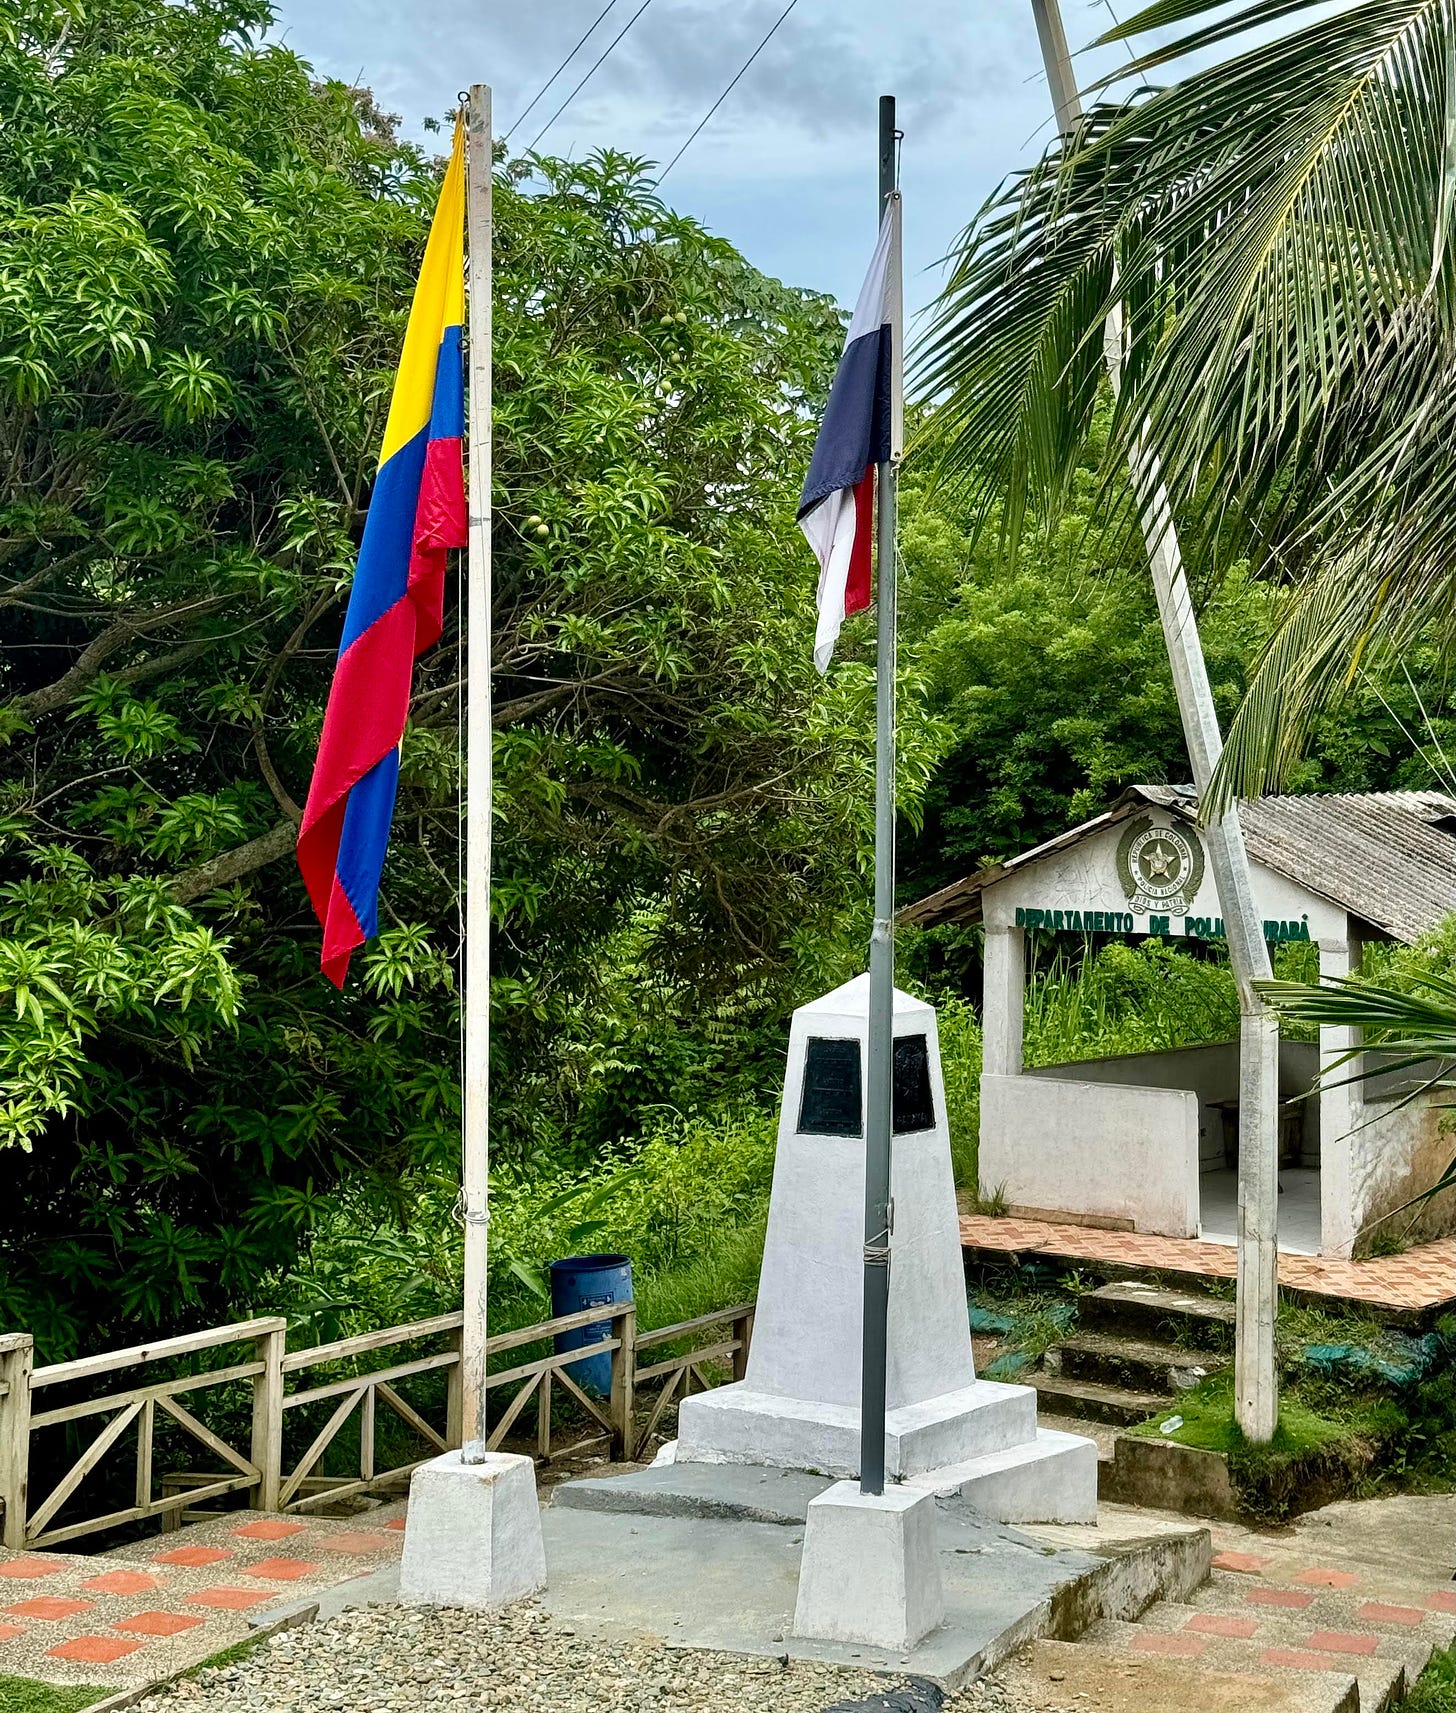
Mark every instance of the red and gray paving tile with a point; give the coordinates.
(154, 1607)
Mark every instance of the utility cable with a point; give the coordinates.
(557, 73)
(728, 91)
(582, 85)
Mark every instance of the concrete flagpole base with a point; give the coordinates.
(869, 1571)
(473, 1534)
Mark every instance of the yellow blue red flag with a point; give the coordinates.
(416, 514)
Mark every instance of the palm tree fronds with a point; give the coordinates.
(1278, 231)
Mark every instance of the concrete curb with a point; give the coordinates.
(302, 1613)
(1132, 1576)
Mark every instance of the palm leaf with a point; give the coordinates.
(1277, 228)
(1412, 1029)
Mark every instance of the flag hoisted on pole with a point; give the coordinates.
(858, 449)
(859, 434)
(417, 514)
(396, 604)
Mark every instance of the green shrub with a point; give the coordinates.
(687, 1207)
(960, 1063)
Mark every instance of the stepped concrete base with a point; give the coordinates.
(735, 1424)
(709, 1556)
(473, 1536)
(1050, 1479)
(870, 1570)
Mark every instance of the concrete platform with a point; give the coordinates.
(737, 1424)
(1050, 1479)
(708, 1557)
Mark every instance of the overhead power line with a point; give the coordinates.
(728, 91)
(590, 74)
(557, 73)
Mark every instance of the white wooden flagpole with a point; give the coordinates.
(1256, 1375)
(476, 762)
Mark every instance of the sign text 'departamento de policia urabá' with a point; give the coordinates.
(1165, 927)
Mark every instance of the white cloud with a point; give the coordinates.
(787, 166)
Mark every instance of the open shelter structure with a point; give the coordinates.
(1148, 1141)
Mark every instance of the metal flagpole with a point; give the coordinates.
(475, 1072)
(1256, 1375)
(879, 1082)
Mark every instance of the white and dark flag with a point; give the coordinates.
(861, 429)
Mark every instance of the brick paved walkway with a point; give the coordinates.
(1420, 1280)
(157, 1606)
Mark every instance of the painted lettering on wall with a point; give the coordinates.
(1160, 927)
(1287, 930)
(1077, 921)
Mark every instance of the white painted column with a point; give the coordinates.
(1005, 998)
(1341, 1111)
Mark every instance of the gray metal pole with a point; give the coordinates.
(1256, 1376)
(879, 1080)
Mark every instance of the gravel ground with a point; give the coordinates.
(401, 1659)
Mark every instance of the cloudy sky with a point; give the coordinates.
(786, 168)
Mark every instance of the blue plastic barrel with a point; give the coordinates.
(589, 1282)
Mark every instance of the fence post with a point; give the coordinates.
(267, 1444)
(455, 1394)
(743, 1333)
(17, 1358)
(624, 1383)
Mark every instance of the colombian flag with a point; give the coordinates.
(416, 514)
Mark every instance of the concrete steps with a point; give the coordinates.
(1094, 1401)
(1359, 1639)
(1136, 1346)
(1337, 1614)
(1394, 1607)
(1109, 1680)
(1382, 1681)
(1139, 1365)
(1136, 1310)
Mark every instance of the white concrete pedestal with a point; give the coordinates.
(869, 1571)
(798, 1405)
(473, 1534)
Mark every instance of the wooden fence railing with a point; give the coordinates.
(266, 1365)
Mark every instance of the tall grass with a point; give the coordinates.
(1140, 999)
(960, 1061)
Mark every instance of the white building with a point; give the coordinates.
(1148, 1142)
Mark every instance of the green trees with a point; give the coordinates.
(1051, 675)
(1277, 227)
(205, 262)
(206, 266)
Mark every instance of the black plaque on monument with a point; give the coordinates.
(832, 1103)
(914, 1108)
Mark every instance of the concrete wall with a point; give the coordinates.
(1398, 1152)
(1101, 1148)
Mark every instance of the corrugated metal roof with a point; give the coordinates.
(1388, 857)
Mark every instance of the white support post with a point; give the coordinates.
(1341, 1110)
(1256, 1375)
(1003, 1009)
(474, 1528)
